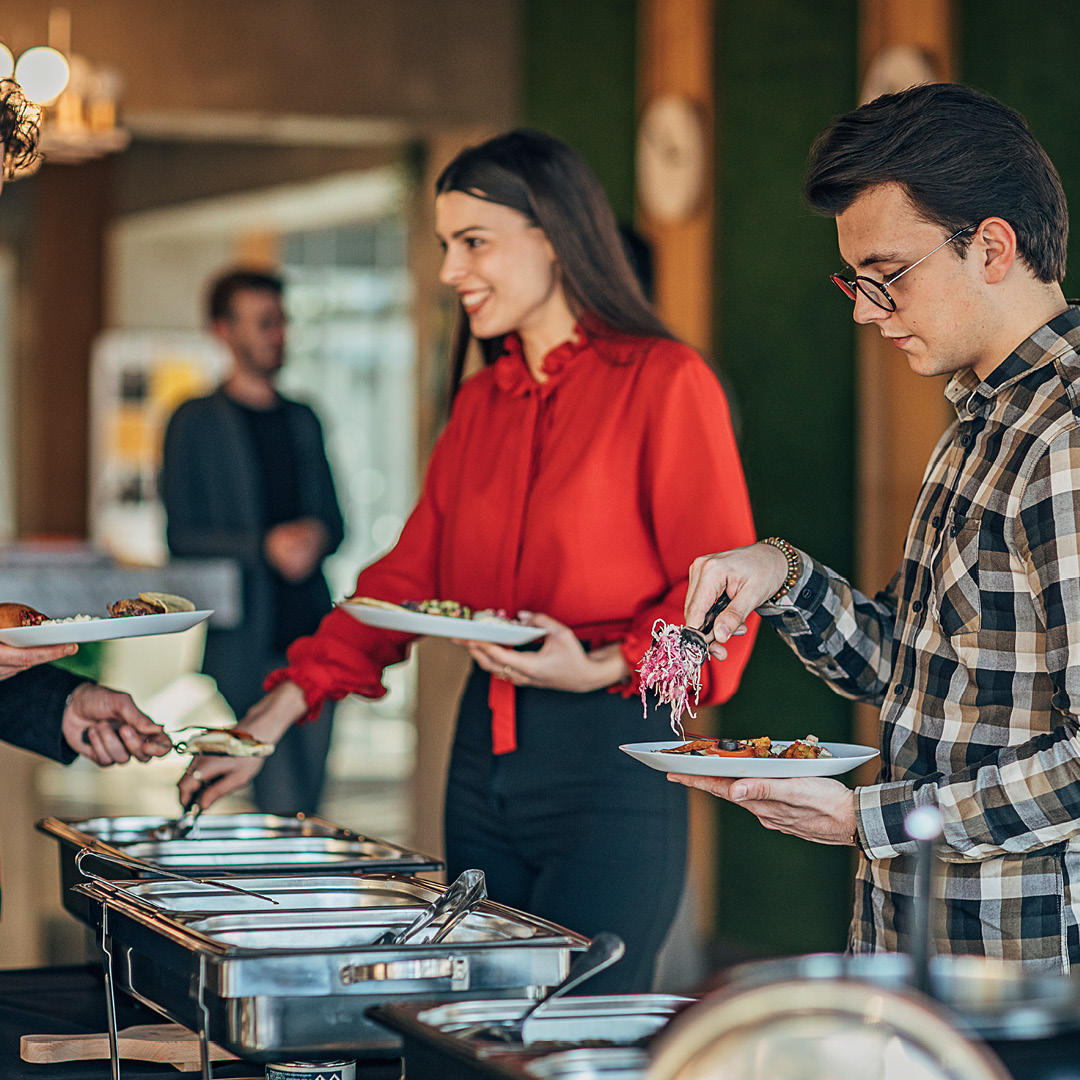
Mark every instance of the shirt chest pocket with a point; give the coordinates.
(954, 597)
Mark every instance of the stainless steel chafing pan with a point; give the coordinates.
(567, 1034)
(265, 982)
(227, 844)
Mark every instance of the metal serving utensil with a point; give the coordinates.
(454, 904)
(183, 823)
(698, 638)
(604, 949)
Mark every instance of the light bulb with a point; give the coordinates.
(42, 73)
(7, 62)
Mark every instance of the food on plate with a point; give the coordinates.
(759, 748)
(672, 669)
(149, 603)
(12, 615)
(171, 602)
(224, 742)
(449, 609)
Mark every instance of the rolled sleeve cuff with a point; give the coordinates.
(793, 610)
(880, 811)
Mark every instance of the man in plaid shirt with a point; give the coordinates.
(954, 222)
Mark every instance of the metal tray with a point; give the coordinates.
(566, 1030)
(226, 844)
(265, 982)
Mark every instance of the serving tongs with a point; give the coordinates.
(459, 899)
(604, 949)
(698, 639)
(149, 868)
(183, 824)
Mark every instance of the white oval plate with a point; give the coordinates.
(845, 757)
(103, 629)
(417, 622)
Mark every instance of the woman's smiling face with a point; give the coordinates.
(499, 263)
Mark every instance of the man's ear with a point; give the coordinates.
(220, 328)
(996, 241)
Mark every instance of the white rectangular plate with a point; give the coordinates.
(417, 622)
(845, 757)
(103, 629)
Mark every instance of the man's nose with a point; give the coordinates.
(866, 311)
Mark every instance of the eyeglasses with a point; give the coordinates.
(877, 292)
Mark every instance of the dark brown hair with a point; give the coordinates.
(960, 155)
(20, 124)
(225, 287)
(551, 184)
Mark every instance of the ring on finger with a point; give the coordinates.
(507, 670)
(196, 774)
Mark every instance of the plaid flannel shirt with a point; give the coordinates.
(973, 654)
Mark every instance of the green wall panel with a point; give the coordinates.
(786, 347)
(578, 82)
(1034, 74)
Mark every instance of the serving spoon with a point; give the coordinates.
(604, 949)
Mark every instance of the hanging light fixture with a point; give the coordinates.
(80, 100)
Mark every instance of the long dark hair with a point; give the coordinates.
(960, 155)
(20, 125)
(550, 183)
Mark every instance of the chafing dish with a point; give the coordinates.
(227, 844)
(296, 978)
(566, 1044)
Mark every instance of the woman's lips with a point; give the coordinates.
(472, 302)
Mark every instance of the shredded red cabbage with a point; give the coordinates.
(672, 668)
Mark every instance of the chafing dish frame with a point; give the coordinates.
(72, 840)
(231, 995)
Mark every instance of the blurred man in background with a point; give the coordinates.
(245, 476)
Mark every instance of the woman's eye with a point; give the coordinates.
(473, 241)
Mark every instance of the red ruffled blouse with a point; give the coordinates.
(585, 497)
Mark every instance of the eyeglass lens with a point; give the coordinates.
(870, 289)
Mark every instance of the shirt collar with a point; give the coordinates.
(512, 373)
(1061, 335)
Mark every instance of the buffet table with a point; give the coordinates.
(71, 999)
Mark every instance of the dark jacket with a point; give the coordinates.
(212, 492)
(32, 708)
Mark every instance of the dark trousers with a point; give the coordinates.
(568, 827)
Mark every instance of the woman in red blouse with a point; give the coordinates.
(577, 478)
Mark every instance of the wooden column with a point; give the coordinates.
(70, 210)
(675, 57)
(901, 415)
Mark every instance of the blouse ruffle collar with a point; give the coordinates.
(512, 373)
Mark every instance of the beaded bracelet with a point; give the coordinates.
(793, 566)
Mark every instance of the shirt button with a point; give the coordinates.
(965, 440)
(806, 594)
(917, 606)
(935, 521)
(898, 689)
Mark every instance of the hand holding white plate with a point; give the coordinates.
(66, 633)
(391, 617)
(844, 757)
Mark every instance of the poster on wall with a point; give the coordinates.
(137, 380)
